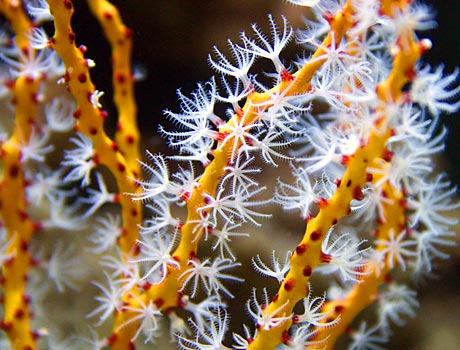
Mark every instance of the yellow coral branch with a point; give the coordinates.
(308, 252)
(166, 294)
(365, 292)
(120, 39)
(90, 120)
(106, 151)
(13, 205)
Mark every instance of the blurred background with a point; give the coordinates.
(172, 39)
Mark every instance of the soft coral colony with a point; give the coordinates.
(356, 116)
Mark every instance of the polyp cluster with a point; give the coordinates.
(356, 116)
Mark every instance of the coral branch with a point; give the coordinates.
(13, 203)
(120, 39)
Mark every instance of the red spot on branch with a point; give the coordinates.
(77, 114)
(82, 78)
(388, 155)
(286, 76)
(71, 36)
(307, 271)
(345, 159)
(322, 203)
(128, 33)
(13, 172)
(315, 235)
(26, 299)
(130, 139)
(24, 246)
(19, 314)
(107, 15)
(112, 339)
(358, 193)
(120, 78)
(300, 249)
(285, 338)
(159, 302)
(6, 326)
(289, 284)
(121, 167)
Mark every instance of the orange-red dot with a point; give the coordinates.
(130, 139)
(24, 245)
(82, 78)
(35, 334)
(107, 15)
(23, 216)
(26, 299)
(6, 326)
(159, 302)
(13, 171)
(286, 76)
(68, 4)
(322, 203)
(121, 167)
(128, 33)
(77, 113)
(300, 249)
(339, 308)
(285, 338)
(71, 37)
(120, 78)
(315, 235)
(19, 314)
(103, 114)
(112, 339)
(289, 284)
(358, 193)
(96, 159)
(306, 271)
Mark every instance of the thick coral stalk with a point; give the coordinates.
(168, 293)
(343, 75)
(366, 291)
(90, 121)
(308, 253)
(13, 203)
(120, 39)
(256, 104)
